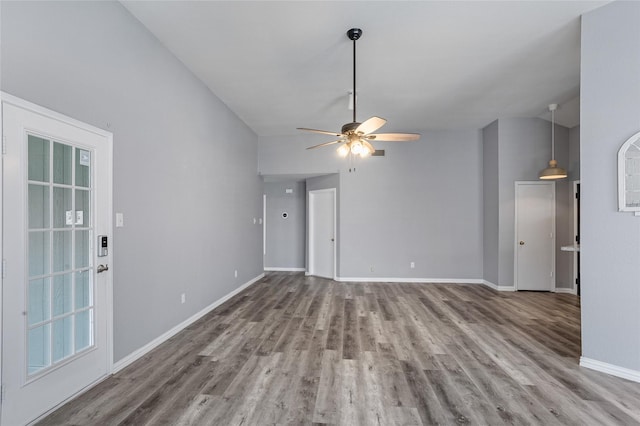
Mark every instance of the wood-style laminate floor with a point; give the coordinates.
(302, 350)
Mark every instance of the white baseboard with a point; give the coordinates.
(498, 287)
(279, 269)
(133, 356)
(614, 370)
(410, 280)
(566, 290)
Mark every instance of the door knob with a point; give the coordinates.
(333, 239)
(102, 268)
(521, 243)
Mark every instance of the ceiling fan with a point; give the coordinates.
(356, 137)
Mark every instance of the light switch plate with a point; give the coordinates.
(119, 220)
(69, 217)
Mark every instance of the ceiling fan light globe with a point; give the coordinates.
(356, 148)
(343, 150)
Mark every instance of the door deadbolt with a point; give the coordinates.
(521, 243)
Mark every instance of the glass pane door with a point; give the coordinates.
(60, 305)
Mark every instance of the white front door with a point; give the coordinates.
(56, 307)
(535, 236)
(322, 232)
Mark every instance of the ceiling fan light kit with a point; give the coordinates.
(354, 137)
(553, 171)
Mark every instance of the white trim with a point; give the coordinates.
(575, 234)
(264, 227)
(2, 271)
(135, 355)
(622, 205)
(283, 269)
(614, 370)
(425, 281)
(552, 282)
(310, 228)
(410, 280)
(565, 290)
(37, 109)
(498, 287)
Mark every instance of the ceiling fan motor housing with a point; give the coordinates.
(349, 128)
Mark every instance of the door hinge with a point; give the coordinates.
(4, 268)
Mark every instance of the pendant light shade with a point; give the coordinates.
(553, 171)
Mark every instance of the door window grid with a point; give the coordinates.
(60, 305)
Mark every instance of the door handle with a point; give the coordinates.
(521, 243)
(102, 268)
(333, 239)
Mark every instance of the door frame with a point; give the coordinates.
(311, 240)
(552, 184)
(6, 98)
(576, 232)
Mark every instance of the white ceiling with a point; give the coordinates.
(421, 64)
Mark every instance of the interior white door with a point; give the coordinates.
(535, 236)
(322, 232)
(56, 307)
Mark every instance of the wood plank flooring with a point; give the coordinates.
(302, 350)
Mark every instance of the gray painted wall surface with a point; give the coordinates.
(325, 182)
(184, 164)
(524, 150)
(610, 239)
(574, 153)
(420, 203)
(286, 239)
(490, 202)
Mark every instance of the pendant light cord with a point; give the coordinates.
(553, 139)
(354, 81)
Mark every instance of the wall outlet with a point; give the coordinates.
(371, 268)
(183, 298)
(235, 273)
(412, 264)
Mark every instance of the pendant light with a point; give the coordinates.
(553, 171)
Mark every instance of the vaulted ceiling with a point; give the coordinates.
(421, 64)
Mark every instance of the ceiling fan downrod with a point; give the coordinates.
(354, 34)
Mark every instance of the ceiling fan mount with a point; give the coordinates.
(355, 136)
(354, 33)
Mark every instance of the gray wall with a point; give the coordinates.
(422, 202)
(525, 149)
(574, 153)
(516, 149)
(610, 114)
(286, 240)
(184, 164)
(490, 202)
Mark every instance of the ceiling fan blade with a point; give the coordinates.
(394, 137)
(370, 125)
(325, 144)
(324, 132)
